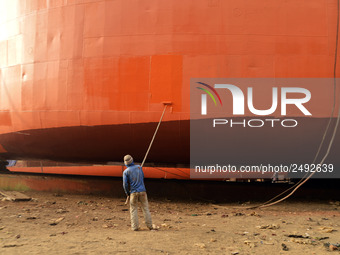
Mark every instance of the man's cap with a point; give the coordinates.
(128, 160)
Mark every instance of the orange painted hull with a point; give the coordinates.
(84, 80)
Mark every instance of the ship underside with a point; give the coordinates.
(109, 143)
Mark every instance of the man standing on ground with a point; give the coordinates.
(133, 184)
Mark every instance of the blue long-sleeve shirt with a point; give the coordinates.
(134, 177)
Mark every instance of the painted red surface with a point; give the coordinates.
(94, 63)
(114, 171)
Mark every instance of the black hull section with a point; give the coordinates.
(95, 144)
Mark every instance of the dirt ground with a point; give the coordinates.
(76, 224)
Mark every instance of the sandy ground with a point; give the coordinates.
(74, 224)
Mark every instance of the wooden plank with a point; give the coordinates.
(14, 196)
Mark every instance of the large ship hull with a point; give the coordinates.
(84, 81)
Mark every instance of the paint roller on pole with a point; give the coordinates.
(166, 104)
